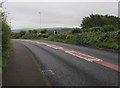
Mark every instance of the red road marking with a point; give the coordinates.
(109, 65)
(86, 57)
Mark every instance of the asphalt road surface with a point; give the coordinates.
(72, 65)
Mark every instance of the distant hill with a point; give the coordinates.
(18, 30)
(50, 30)
(60, 30)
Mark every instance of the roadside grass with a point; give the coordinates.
(71, 41)
(113, 46)
(6, 54)
(105, 45)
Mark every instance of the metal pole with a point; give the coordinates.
(40, 19)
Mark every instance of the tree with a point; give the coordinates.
(6, 30)
(99, 20)
(30, 31)
(22, 32)
(35, 31)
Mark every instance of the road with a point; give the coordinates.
(73, 65)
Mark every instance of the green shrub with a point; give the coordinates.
(39, 36)
(43, 31)
(105, 28)
(6, 54)
(110, 36)
(62, 36)
(69, 36)
(45, 36)
(108, 28)
(76, 30)
(6, 44)
(87, 38)
(93, 29)
(108, 45)
(22, 33)
(99, 39)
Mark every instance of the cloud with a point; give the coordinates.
(70, 14)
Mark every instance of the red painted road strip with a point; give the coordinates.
(82, 56)
(109, 65)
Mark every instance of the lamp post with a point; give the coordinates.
(40, 19)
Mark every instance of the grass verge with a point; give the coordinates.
(6, 54)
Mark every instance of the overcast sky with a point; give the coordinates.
(55, 14)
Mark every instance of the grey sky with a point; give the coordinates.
(55, 14)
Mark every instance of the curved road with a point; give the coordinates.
(72, 65)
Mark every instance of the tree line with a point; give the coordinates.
(30, 34)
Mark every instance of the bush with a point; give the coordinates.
(101, 39)
(107, 28)
(87, 38)
(6, 43)
(93, 29)
(15, 35)
(6, 54)
(45, 36)
(62, 36)
(76, 30)
(110, 36)
(69, 36)
(108, 45)
(43, 31)
(22, 33)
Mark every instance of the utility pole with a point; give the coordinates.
(40, 19)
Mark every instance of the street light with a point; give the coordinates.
(40, 19)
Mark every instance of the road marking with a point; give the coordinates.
(109, 65)
(80, 55)
(83, 56)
